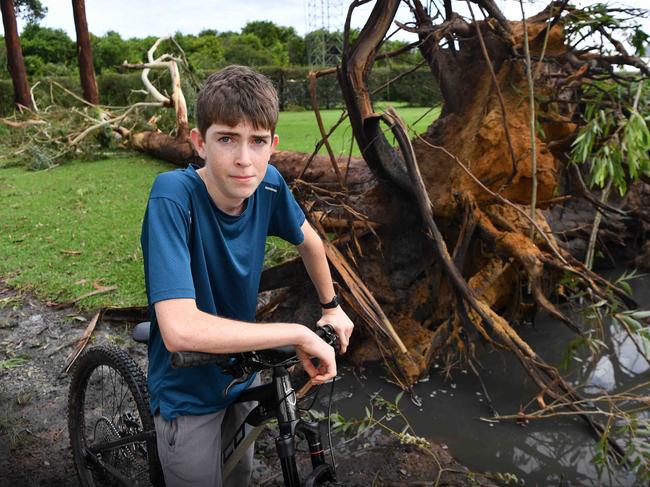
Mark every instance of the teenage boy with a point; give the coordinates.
(203, 241)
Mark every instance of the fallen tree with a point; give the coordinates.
(475, 162)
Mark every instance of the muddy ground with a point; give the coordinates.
(34, 441)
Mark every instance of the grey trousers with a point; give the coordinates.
(190, 447)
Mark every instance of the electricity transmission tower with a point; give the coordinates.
(324, 40)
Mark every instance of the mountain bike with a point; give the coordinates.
(112, 431)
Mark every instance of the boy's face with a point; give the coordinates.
(235, 161)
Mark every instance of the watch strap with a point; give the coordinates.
(333, 303)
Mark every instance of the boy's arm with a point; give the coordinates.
(186, 328)
(313, 256)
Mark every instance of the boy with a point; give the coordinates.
(203, 240)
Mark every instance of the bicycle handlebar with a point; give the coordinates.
(250, 361)
(181, 360)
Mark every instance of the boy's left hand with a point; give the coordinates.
(341, 324)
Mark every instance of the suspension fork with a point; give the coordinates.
(311, 432)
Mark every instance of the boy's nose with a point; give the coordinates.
(244, 156)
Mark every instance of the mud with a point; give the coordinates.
(34, 445)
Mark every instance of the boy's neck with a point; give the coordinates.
(229, 207)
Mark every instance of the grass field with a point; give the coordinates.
(298, 131)
(78, 224)
(68, 230)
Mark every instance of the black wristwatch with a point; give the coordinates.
(333, 303)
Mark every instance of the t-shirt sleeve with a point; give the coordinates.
(287, 216)
(165, 248)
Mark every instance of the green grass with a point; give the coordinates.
(68, 229)
(298, 131)
(64, 229)
(11, 363)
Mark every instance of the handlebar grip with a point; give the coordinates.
(327, 333)
(182, 360)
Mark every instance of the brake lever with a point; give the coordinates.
(329, 336)
(243, 373)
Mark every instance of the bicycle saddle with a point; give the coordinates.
(141, 332)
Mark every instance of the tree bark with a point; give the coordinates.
(15, 60)
(85, 53)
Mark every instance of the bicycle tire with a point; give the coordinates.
(323, 475)
(95, 377)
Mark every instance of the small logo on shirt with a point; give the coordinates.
(271, 189)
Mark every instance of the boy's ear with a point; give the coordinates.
(198, 142)
(275, 141)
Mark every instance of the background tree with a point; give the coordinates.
(297, 51)
(110, 50)
(204, 51)
(51, 52)
(32, 10)
(47, 51)
(249, 50)
(284, 43)
(84, 53)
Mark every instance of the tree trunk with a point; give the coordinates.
(85, 53)
(15, 55)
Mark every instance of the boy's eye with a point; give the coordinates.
(225, 138)
(259, 141)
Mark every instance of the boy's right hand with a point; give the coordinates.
(310, 346)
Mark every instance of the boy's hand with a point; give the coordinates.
(313, 346)
(341, 324)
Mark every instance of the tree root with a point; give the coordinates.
(482, 317)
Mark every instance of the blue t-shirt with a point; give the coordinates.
(194, 250)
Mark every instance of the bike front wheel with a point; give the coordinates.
(111, 429)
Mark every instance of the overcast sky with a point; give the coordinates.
(140, 18)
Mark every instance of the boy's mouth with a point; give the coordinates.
(242, 178)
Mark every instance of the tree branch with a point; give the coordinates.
(494, 11)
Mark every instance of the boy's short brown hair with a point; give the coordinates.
(237, 94)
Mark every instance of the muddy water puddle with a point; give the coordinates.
(554, 451)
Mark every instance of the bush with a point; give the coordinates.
(6, 97)
(117, 89)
